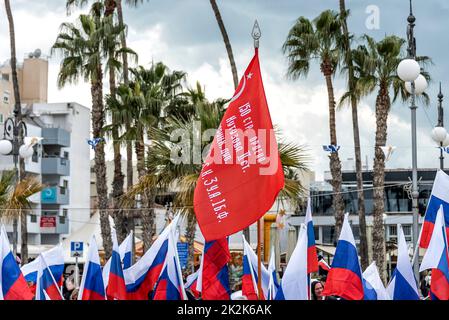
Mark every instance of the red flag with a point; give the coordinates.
(215, 278)
(242, 174)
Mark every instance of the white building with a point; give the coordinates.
(61, 161)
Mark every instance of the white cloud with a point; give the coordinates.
(298, 108)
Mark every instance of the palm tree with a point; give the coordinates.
(114, 51)
(164, 173)
(17, 107)
(319, 41)
(227, 43)
(129, 151)
(140, 107)
(14, 200)
(376, 64)
(83, 53)
(110, 6)
(346, 48)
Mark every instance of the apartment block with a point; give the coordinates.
(32, 75)
(61, 162)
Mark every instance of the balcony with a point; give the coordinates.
(55, 195)
(51, 224)
(56, 136)
(56, 165)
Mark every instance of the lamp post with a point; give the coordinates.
(439, 133)
(14, 132)
(409, 71)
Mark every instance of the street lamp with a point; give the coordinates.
(409, 71)
(15, 128)
(439, 133)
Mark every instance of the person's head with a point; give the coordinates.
(69, 284)
(74, 295)
(317, 290)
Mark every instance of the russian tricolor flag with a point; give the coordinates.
(141, 278)
(213, 280)
(439, 197)
(92, 285)
(125, 250)
(54, 258)
(436, 258)
(273, 283)
(250, 274)
(12, 282)
(116, 288)
(249, 285)
(191, 283)
(403, 283)
(47, 288)
(312, 259)
(372, 284)
(345, 277)
(294, 283)
(170, 285)
(322, 264)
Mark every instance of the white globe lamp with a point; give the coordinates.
(420, 85)
(439, 134)
(26, 151)
(408, 70)
(5, 147)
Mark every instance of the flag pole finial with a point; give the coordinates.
(256, 33)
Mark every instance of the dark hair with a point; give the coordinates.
(313, 285)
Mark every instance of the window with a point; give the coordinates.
(64, 186)
(5, 76)
(35, 156)
(328, 234)
(63, 216)
(1, 118)
(356, 232)
(392, 232)
(33, 218)
(407, 232)
(6, 97)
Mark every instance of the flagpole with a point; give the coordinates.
(255, 33)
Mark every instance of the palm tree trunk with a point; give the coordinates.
(100, 164)
(382, 109)
(118, 180)
(129, 148)
(147, 215)
(363, 249)
(335, 165)
(12, 40)
(140, 154)
(226, 41)
(190, 236)
(148, 198)
(18, 115)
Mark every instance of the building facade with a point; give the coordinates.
(61, 163)
(32, 75)
(398, 206)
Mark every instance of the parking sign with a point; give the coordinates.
(76, 249)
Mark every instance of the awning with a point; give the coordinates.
(330, 250)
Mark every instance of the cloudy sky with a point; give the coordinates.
(184, 35)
